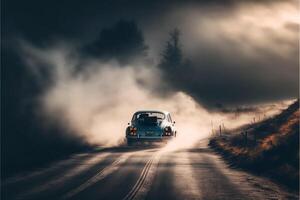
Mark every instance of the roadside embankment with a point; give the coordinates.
(269, 148)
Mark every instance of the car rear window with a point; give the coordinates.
(148, 117)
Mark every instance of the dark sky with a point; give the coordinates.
(243, 52)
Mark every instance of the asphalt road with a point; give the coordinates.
(142, 173)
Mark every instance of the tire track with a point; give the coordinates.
(99, 176)
(143, 184)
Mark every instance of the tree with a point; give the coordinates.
(123, 41)
(172, 55)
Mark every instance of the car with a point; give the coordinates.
(150, 126)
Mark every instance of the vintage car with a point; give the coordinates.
(149, 126)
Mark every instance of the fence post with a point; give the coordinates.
(246, 138)
(223, 128)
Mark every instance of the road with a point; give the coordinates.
(142, 173)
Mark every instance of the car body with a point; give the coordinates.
(150, 125)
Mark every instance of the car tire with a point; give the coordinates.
(130, 143)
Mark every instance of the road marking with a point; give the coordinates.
(67, 176)
(143, 184)
(99, 176)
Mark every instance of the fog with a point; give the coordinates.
(97, 101)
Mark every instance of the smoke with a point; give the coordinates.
(98, 101)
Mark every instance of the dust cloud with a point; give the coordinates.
(97, 101)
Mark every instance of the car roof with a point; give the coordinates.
(160, 111)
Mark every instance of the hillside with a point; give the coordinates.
(268, 148)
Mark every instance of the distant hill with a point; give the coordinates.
(269, 148)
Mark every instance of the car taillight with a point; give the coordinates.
(132, 130)
(167, 131)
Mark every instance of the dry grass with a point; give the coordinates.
(274, 152)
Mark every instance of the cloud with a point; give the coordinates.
(240, 55)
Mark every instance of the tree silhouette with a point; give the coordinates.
(172, 55)
(123, 41)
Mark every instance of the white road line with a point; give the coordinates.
(143, 184)
(67, 176)
(99, 176)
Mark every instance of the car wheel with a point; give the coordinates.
(130, 143)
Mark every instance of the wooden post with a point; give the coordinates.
(220, 130)
(246, 138)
